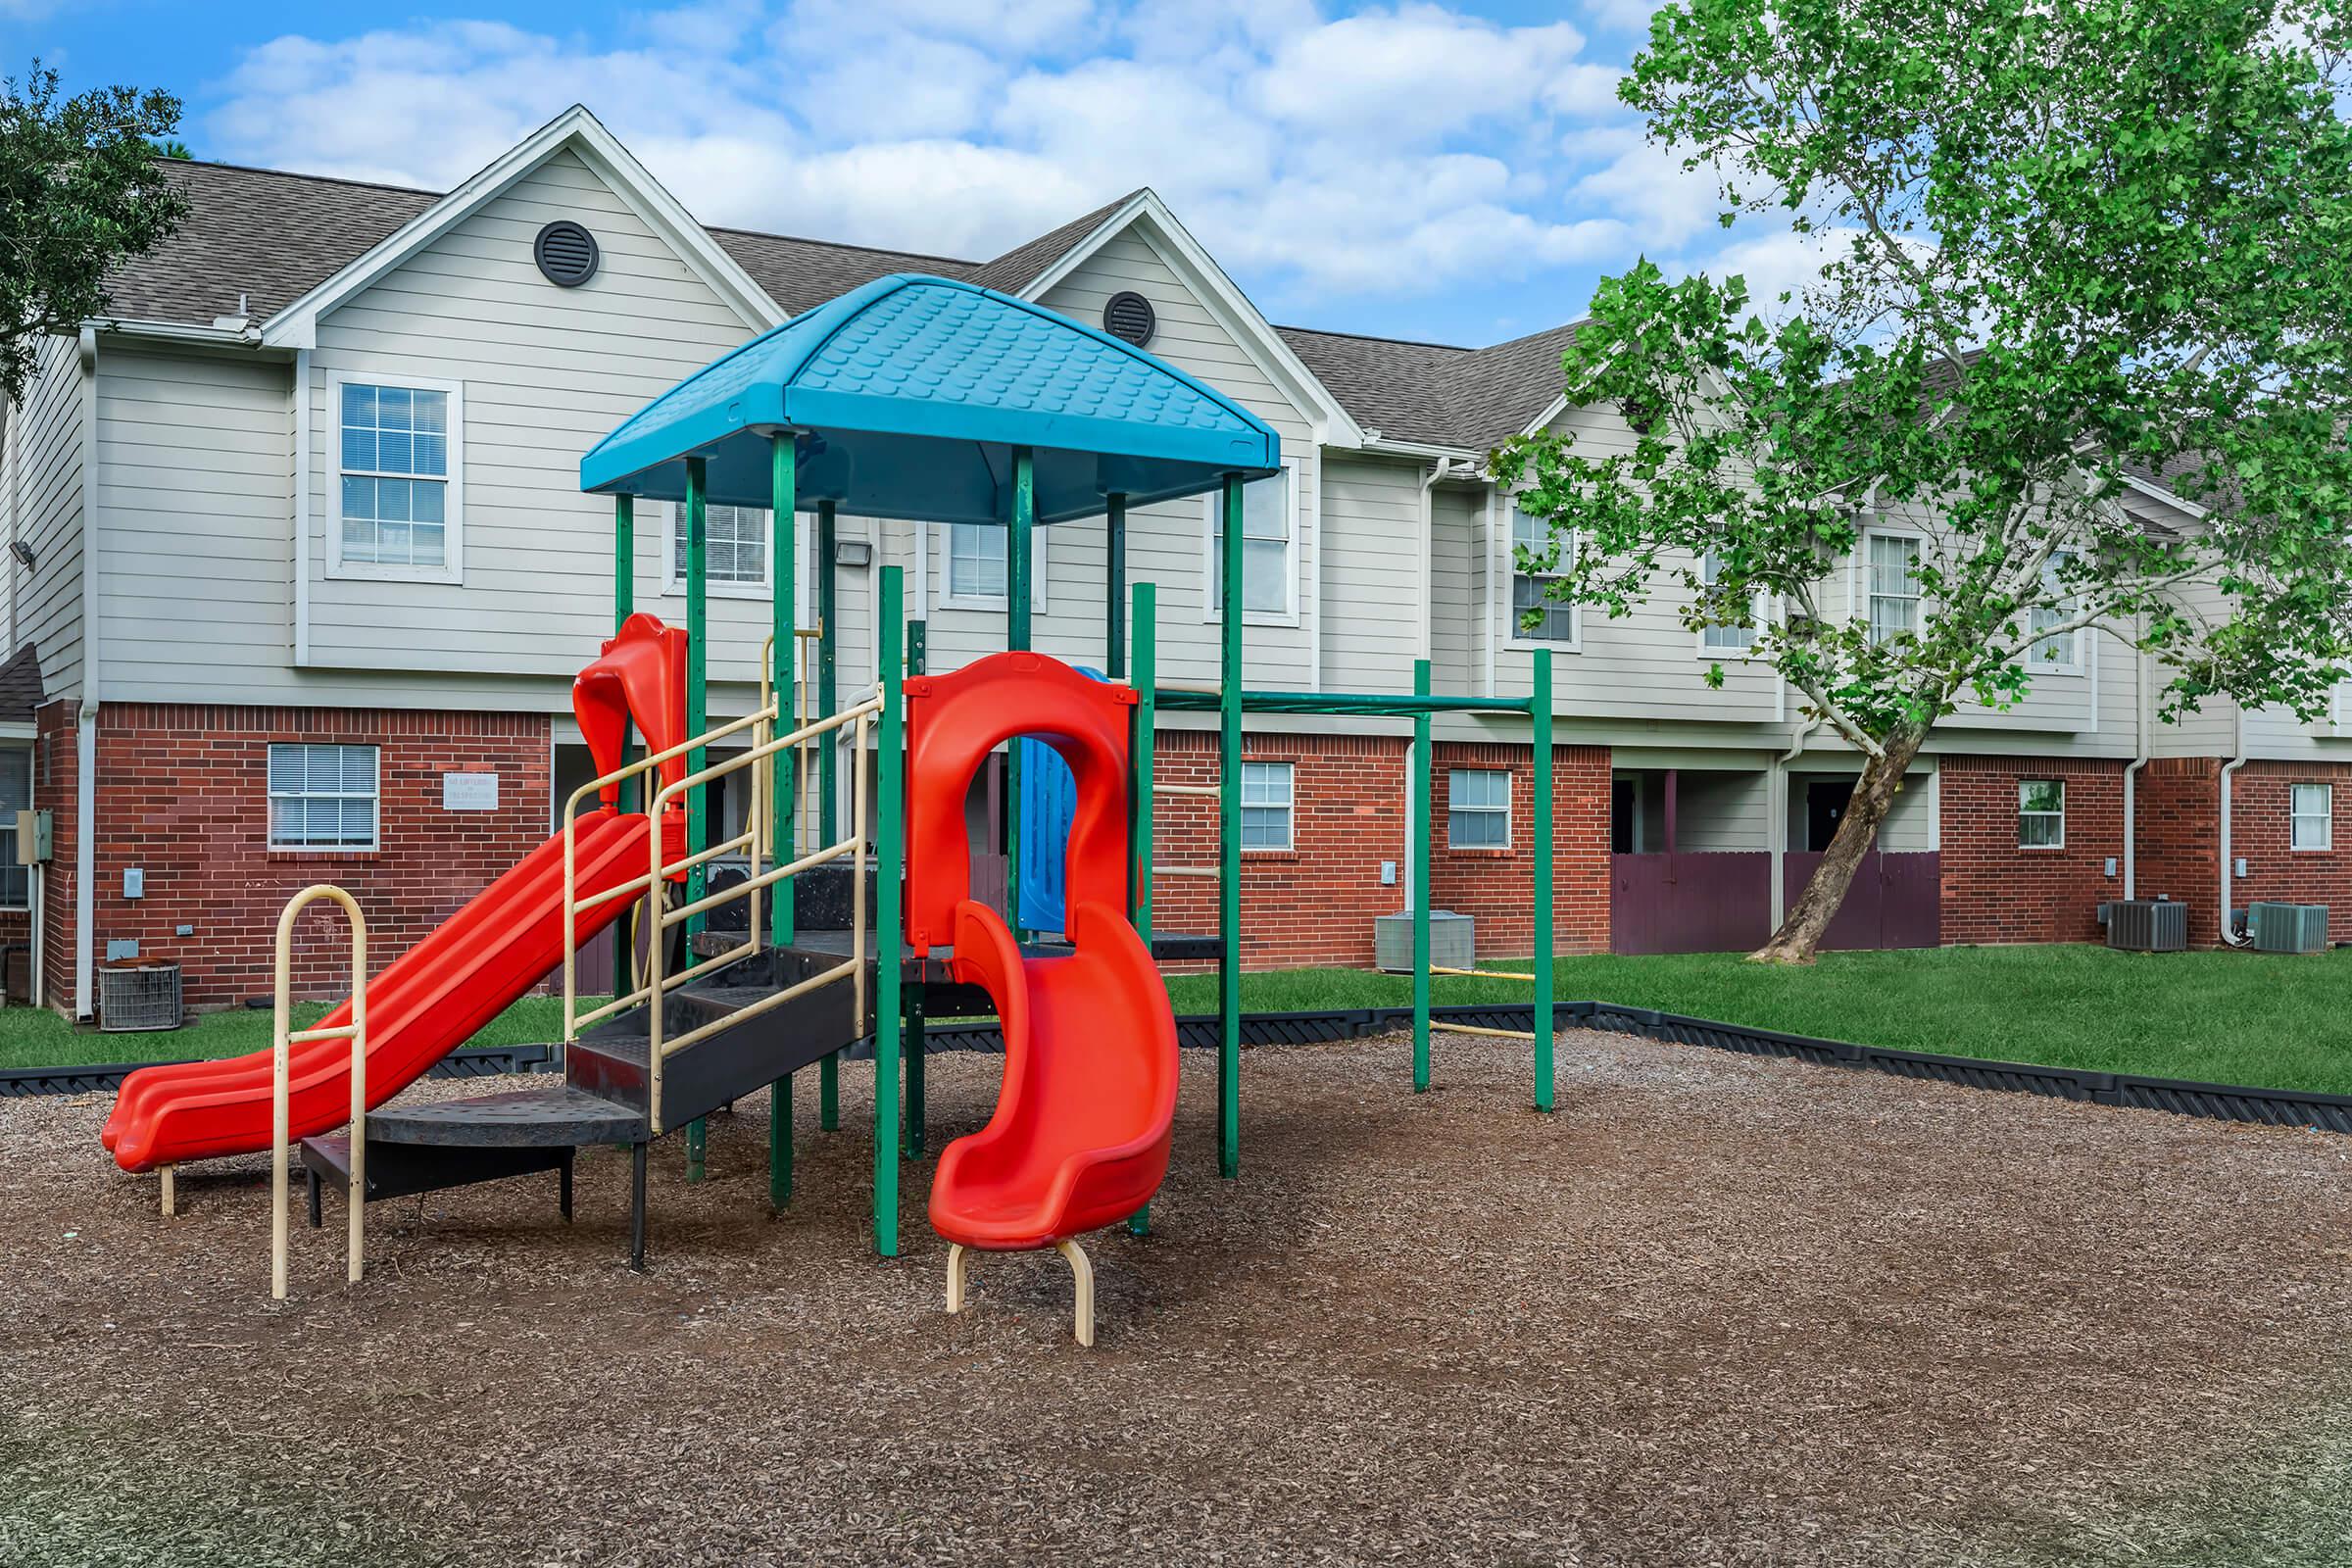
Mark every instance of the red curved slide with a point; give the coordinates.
(430, 1000)
(1081, 1132)
(1082, 1127)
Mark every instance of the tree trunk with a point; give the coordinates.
(1799, 937)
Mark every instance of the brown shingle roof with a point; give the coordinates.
(20, 690)
(272, 238)
(269, 236)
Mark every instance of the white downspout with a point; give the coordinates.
(2237, 759)
(2139, 759)
(1423, 643)
(85, 749)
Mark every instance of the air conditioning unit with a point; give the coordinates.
(2291, 927)
(1452, 941)
(2147, 925)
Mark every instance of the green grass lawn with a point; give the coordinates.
(2223, 1017)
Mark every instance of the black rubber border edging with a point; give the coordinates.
(2271, 1107)
(492, 1062)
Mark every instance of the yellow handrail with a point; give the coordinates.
(659, 984)
(766, 780)
(284, 1037)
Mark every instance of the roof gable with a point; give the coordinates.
(296, 325)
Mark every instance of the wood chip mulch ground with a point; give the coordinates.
(1716, 1310)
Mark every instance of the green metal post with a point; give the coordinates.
(1139, 797)
(828, 758)
(1114, 631)
(1418, 825)
(1540, 711)
(783, 549)
(1019, 560)
(890, 826)
(779, 1143)
(1141, 755)
(1229, 841)
(698, 720)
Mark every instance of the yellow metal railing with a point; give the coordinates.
(285, 1037)
(757, 841)
(800, 684)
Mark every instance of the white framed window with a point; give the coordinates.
(1723, 639)
(323, 797)
(1269, 550)
(2060, 654)
(1265, 806)
(1478, 809)
(2311, 808)
(975, 565)
(1891, 561)
(398, 479)
(16, 795)
(2041, 814)
(734, 551)
(1556, 624)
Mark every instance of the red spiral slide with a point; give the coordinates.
(1083, 1122)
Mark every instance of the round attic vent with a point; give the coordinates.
(1129, 316)
(566, 254)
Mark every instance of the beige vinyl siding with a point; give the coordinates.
(1458, 536)
(195, 452)
(1371, 586)
(1721, 811)
(46, 486)
(1167, 544)
(544, 373)
(1646, 666)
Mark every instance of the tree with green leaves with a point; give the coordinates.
(80, 194)
(2066, 244)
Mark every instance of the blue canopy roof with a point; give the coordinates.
(910, 395)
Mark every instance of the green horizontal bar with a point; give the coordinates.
(1394, 705)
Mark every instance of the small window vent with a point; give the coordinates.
(1129, 316)
(566, 254)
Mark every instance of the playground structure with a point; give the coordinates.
(909, 397)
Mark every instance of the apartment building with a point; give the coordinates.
(300, 572)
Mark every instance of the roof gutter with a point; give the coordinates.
(1422, 450)
(242, 335)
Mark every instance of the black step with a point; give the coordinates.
(547, 1116)
(400, 1170)
(610, 1062)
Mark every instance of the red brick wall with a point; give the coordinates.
(1993, 890)
(54, 752)
(1495, 886)
(2179, 829)
(183, 794)
(1315, 903)
(2259, 831)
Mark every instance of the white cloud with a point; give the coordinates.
(1401, 151)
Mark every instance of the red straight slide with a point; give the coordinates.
(431, 1000)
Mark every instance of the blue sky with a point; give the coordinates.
(1458, 173)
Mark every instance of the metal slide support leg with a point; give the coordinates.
(779, 1143)
(913, 1133)
(698, 1141)
(637, 1206)
(1083, 1273)
(828, 1087)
